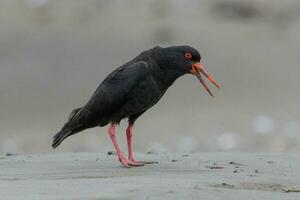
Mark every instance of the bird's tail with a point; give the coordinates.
(63, 134)
(59, 137)
(68, 129)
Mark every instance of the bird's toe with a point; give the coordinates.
(142, 162)
(147, 162)
(135, 164)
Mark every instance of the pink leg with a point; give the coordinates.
(129, 144)
(122, 158)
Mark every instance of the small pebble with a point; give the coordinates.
(234, 163)
(197, 187)
(227, 185)
(291, 189)
(214, 167)
(238, 170)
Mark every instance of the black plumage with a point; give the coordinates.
(133, 88)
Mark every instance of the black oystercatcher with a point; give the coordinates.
(132, 89)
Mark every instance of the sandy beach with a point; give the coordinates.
(174, 176)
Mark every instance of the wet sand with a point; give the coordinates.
(174, 176)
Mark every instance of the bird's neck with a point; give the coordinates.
(164, 74)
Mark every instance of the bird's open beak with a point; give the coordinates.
(197, 69)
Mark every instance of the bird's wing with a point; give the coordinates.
(113, 92)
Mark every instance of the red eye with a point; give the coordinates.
(188, 55)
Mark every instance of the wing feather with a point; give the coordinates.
(113, 92)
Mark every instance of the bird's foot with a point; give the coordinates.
(141, 162)
(135, 164)
(130, 163)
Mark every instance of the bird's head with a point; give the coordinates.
(186, 60)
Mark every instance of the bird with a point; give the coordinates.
(132, 89)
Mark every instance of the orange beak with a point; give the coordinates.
(197, 69)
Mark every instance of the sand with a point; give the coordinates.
(174, 176)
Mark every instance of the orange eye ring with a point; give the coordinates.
(188, 55)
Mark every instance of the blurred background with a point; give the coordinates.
(55, 53)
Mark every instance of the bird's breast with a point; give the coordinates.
(145, 95)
